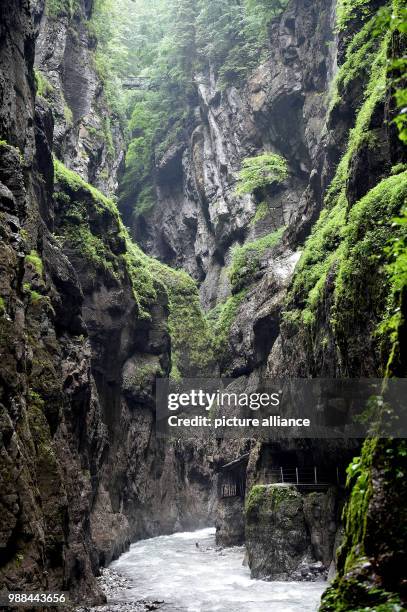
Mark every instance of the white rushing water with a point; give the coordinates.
(205, 579)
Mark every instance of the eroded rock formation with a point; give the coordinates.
(83, 328)
(88, 321)
(290, 535)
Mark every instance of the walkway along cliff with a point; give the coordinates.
(263, 235)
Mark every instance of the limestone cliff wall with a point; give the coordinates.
(87, 133)
(320, 302)
(198, 218)
(84, 327)
(52, 435)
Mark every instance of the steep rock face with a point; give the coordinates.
(330, 314)
(230, 527)
(52, 435)
(84, 332)
(87, 134)
(341, 309)
(322, 516)
(146, 487)
(289, 536)
(198, 214)
(276, 549)
(345, 324)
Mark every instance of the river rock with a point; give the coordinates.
(321, 519)
(230, 527)
(276, 534)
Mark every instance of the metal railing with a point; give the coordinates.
(307, 477)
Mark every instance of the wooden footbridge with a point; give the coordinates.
(138, 82)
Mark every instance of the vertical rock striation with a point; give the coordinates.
(52, 435)
(84, 327)
(198, 217)
(320, 299)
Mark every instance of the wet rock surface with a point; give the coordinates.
(230, 527)
(87, 137)
(276, 537)
(284, 536)
(46, 384)
(81, 473)
(198, 218)
(113, 584)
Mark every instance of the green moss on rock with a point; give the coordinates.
(192, 342)
(68, 178)
(262, 212)
(261, 171)
(255, 498)
(91, 225)
(268, 498)
(246, 259)
(363, 282)
(34, 260)
(221, 319)
(340, 250)
(56, 8)
(43, 86)
(349, 287)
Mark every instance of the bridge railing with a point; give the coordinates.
(306, 475)
(310, 477)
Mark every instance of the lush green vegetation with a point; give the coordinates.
(262, 212)
(357, 259)
(61, 7)
(233, 35)
(192, 341)
(166, 43)
(349, 242)
(35, 261)
(326, 246)
(66, 177)
(397, 69)
(371, 226)
(246, 259)
(350, 591)
(43, 86)
(255, 497)
(347, 10)
(263, 499)
(397, 269)
(261, 171)
(221, 319)
(192, 350)
(92, 228)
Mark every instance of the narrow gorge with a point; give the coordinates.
(199, 189)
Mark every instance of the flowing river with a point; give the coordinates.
(190, 578)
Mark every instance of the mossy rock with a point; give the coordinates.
(276, 534)
(92, 228)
